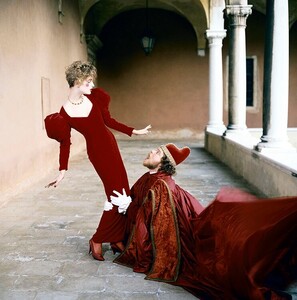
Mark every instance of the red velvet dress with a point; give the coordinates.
(104, 154)
(239, 247)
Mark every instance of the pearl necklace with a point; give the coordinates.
(77, 103)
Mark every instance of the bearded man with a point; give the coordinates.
(238, 247)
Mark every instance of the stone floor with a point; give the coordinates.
(45, 232)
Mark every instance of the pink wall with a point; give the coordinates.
(34, 45)
(169, 88)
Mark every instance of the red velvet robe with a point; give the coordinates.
(105, 156)
(239, 247)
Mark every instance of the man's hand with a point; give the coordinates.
(107, 206)
(122, 201)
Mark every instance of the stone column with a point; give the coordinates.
(237, 15)
(215, 122)
(276, 76)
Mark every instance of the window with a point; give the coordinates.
(252, 105)
(250, 74)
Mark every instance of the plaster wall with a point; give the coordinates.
(34, 50)
(271, 178)
(168, 88)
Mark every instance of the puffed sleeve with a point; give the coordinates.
(103, 99)
(57, 128)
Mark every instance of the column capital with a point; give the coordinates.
(215, 37)
(237, 14)
(215, 34)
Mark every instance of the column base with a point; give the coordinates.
(275, 147)
(235, 132)
(216, 129)
(241, 136)
(283, 153)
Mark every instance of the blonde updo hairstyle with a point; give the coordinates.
(79, 71)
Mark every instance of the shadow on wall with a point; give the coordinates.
(168, 88)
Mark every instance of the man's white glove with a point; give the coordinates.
(122, 201)
(107, 206)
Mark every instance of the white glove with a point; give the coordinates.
(122, 201)
(107, 206)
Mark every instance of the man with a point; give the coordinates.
(161, 216)
(239, 247)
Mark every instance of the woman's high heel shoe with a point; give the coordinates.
(97, 256)
(117, 248)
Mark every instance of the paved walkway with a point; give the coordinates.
(45, 232)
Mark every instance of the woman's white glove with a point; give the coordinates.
(107, 206)
(122, 201)
(145, 130)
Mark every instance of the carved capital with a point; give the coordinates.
(215, 34)
(215, 37)
(237, 14)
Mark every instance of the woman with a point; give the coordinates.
(86, 110)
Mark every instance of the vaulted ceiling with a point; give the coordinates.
(96, 13)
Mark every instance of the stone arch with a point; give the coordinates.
(95, 14)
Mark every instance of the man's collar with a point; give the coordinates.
(153, 172)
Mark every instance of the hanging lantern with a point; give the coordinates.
(148, 40)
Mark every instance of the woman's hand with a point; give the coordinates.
(58, 179)
(142, 131)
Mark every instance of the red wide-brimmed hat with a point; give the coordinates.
(175, 155)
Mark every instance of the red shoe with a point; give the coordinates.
(97, 256)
